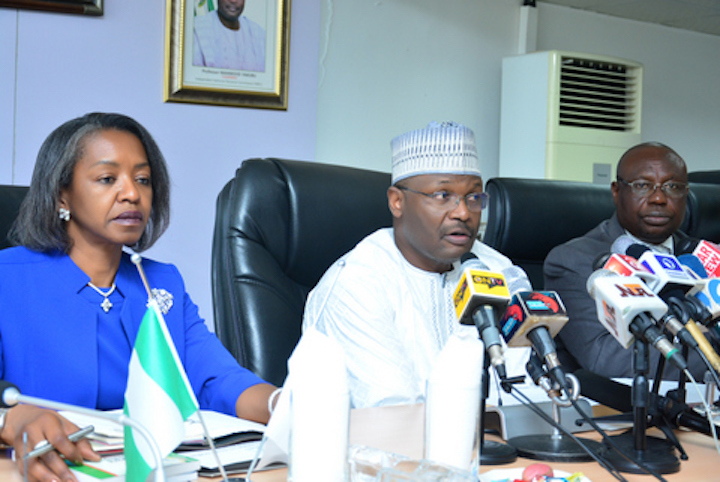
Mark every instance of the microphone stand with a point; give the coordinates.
(657, 416)
(490, 452)
(12, 396)
(659, 456)
(556, 447)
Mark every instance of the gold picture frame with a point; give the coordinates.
(83, 7)
(196, 73)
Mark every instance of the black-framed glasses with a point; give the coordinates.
(673, 189)
(445, 200)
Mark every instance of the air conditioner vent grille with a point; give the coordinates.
(598, 95)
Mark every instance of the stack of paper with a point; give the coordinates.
(237, 442)
(111, 468)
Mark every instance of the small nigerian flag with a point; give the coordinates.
(158, 395)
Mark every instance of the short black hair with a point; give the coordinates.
(38, 225)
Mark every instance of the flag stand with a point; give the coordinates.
(137, 261)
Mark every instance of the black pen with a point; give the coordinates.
(44, 447)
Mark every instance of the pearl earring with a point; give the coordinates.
(64, 214)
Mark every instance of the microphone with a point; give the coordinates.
(670, 276)
(619, 397)
(636, 250)
(694, 264)
(625, 265)
(680, 291)
(709, 298)
(704, 302)
(709, 255)
(540, 377)
(10, 396)
(622, 243)
(516, 279)
(479, 298)
(628, 309)
(533, 319)
(665, 276)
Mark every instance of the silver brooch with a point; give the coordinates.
(163, 299)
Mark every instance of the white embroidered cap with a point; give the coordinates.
(447, 148)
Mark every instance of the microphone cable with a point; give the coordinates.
(707, 354)
(525, 400)
(704, 348)
(608, 440)
(711, 359)
(711, 371)
(708, 410)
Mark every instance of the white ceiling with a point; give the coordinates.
(696, 15)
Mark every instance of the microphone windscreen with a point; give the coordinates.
(3, 387)
(621, 244)
(694, 263)
(516, 279)
(604, 390)
(636, 250)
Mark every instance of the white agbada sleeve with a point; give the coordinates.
(391, 319)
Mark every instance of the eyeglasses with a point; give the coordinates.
(475, 201)
(673, 189)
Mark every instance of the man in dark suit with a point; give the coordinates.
(650, 194)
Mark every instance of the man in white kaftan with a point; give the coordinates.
(391, 318)
(219, 46)
(389, 301)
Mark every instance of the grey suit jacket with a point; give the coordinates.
(566, 269)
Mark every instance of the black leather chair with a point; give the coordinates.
(279, 225)
(529, 217)
(705, 177)
(703, 221)
(10, 199)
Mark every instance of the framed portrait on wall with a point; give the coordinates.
(227, 52)
(84, 7)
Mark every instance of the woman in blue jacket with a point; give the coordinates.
(72, 301)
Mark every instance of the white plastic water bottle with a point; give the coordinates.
(452, 404)
(319, 413)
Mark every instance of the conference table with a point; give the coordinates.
(399, 429)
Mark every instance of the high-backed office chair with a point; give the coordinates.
(529, 217)
(279, 225)
(10, 199)
(703, 221)
(705, 177)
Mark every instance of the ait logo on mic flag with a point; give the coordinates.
(669, 263)
(158, 395)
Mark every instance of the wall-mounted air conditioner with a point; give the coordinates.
(567, 115)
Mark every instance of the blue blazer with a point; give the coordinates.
(48, 331)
